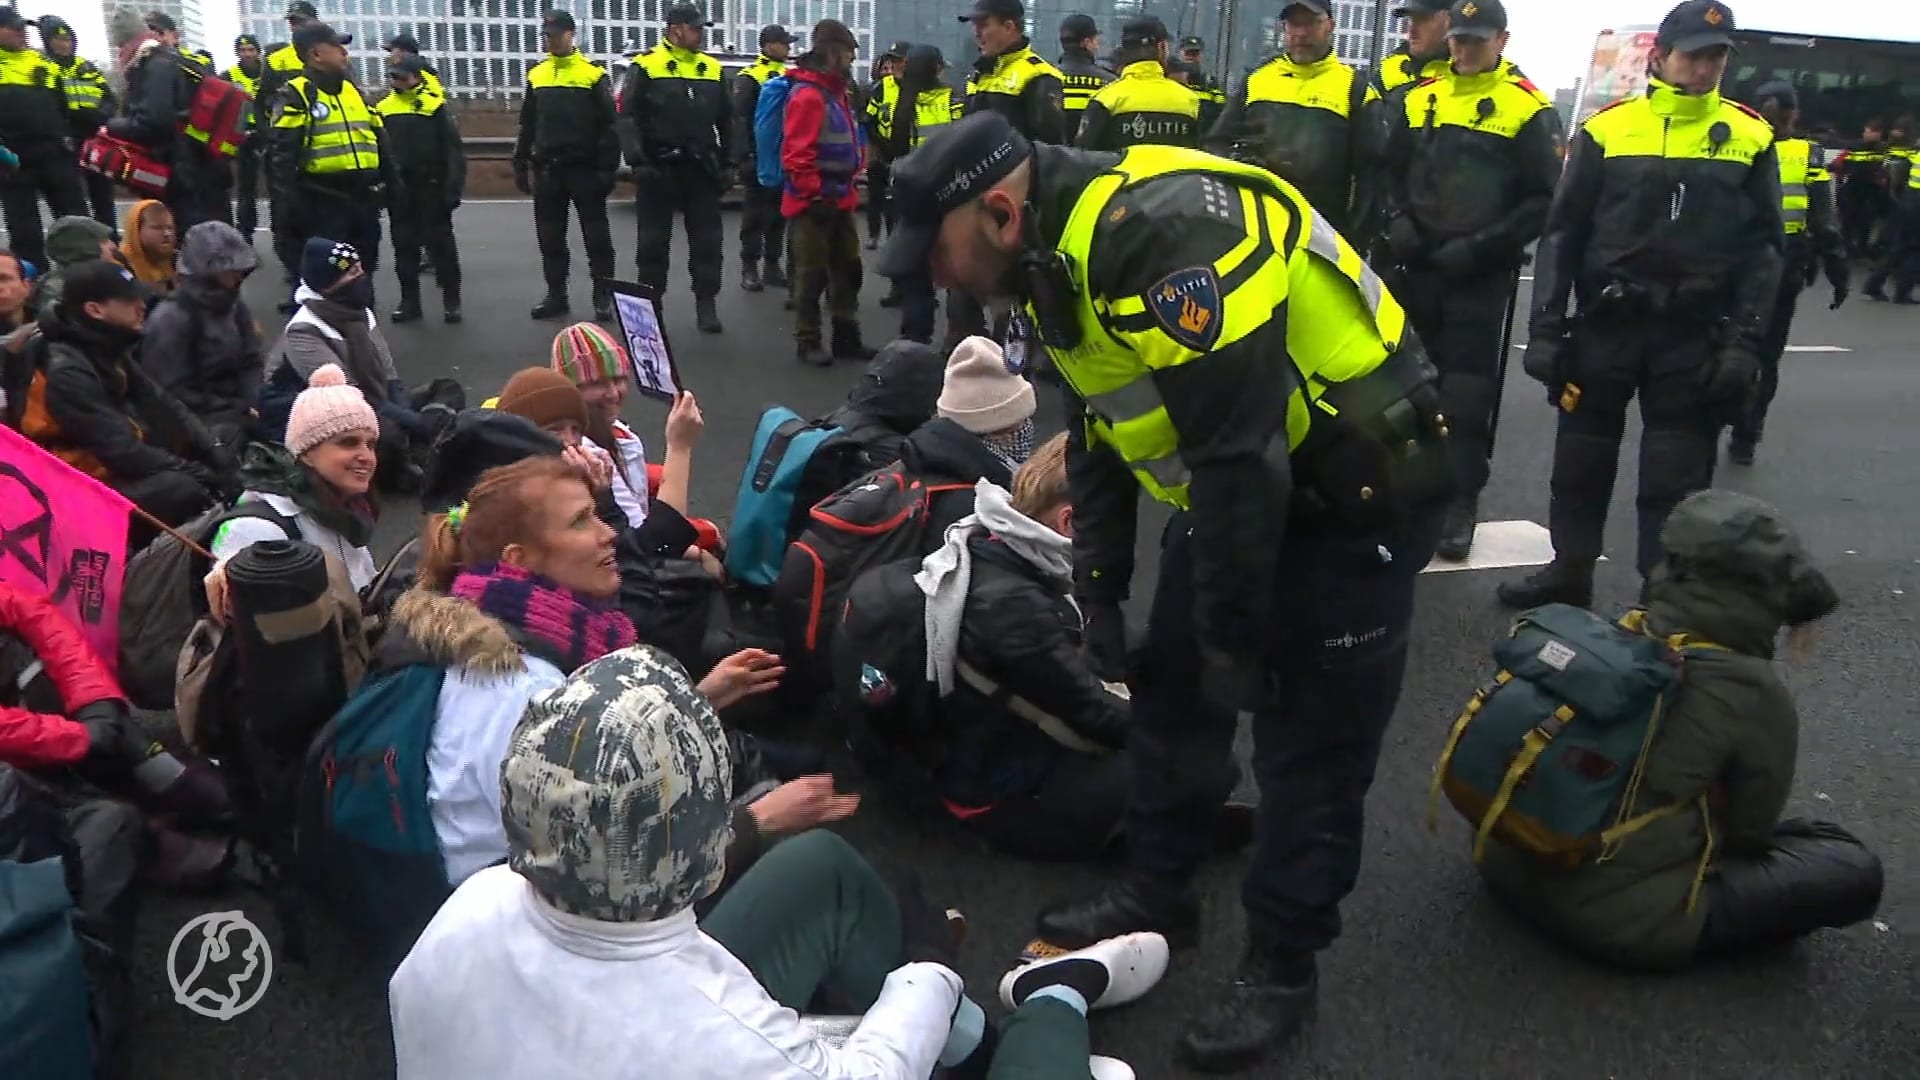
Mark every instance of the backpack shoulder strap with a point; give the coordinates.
(254, 508)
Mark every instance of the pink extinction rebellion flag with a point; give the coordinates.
(63, 535)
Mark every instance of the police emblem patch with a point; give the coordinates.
(1186, 304)
(320, 110)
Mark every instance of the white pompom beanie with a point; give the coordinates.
(329, 407)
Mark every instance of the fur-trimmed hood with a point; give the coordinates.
(433, 628)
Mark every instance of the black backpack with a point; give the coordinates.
(879, 666)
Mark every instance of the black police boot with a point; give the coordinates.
(553, 307)
(1561, 581)
(409, 309)
(847, 344)
(775, 277)
(1130, 906)
(1456, 534)
(706, 315)
(750, 277)
(812, 355)
(1270, 997)
(449, 302)
(602, 303)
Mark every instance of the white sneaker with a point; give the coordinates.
(1135, 963)
(1106, 1068)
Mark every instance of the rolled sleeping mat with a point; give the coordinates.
(287, 643)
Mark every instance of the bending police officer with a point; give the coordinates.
(430, 175)
(763, 231)
(1666, 227)
(1143, 105)
(1299, 445)
(1474, 155)
(567, 155)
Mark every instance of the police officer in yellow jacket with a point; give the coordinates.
(284, 63)
(923, 104)
(90, 103)
(1813, 244)
(1081, 76)
(328, 166)
(1143, 106)
(677, 127)
(1474, 156)
(566, 157)
(1229, 354)
(1213, 96)
(402, 46)
(1310, 118)
(429, 170)
(249, 68)
(763, 232)
(1666, 228)
(34, 125)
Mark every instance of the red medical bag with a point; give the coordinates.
(127, 163)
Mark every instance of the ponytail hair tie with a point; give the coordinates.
(456, 518)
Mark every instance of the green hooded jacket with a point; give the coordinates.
(70, 241)
(1734, 575)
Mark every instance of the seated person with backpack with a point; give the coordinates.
(318, 488)
(983, 430)
(614, 796)
(1714, 869)
(92, 405)
(201, 343)
(71, 241)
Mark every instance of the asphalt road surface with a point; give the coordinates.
(1430, 980)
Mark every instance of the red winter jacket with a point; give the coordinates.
(28, 739)
(800, 148)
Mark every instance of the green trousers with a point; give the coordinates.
(826, 260)
(812, 913)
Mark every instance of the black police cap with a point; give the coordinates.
(1143, 30)
(687, 15)
(1192, 41)
(1078, 27)
(405, 43)
(558, 22)
(1318, 7)
(1696, 25)
(410, 64)
(996, 9)
(1477, 19)
(246, 41)
(953, 167)
(1421, 7)
(1777, 90)
(773, 32)
(300, 9)
(318, 33)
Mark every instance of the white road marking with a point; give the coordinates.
(1499, 545)
(1790, 348)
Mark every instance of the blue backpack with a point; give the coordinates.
(45, 1029)
(768, 505)
(366, 842)
(769, 131)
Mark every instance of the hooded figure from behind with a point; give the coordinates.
(1733, 574)
(71, 241)
(202, 345)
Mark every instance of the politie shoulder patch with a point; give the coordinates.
(1186, 304)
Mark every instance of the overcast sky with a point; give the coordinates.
(1552, 39)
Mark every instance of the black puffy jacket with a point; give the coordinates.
(944, 452)
(208, 356)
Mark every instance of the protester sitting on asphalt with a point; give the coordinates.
(16, 371)
(202, 345)
(984, 430)
(71, 241)
(14, 287)
(91, 405)
(1738, 876)
(516, 589)
(336, 325)
(149, 245)
(321, 481)
(897, 393)
(614, 797)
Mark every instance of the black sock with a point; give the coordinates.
(977, 1064)
(1086, 977)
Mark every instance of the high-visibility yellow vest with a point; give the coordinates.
(342, 133)
(1796, 172)
(286, 59)
(86, 85)
(1323, 283)
(238, 76)
(419, 101)
(27, 68)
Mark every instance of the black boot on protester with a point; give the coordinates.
(773, 276)
(847, 344)
(1561, 581)
(553, 307)
(409, 309)
(1456, 534)
(1132, 905)
(750, 277)
(706, 315)
(450, 302)
(1269, 999)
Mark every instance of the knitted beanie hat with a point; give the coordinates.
(588, 352)
(327, 408)
(543, 396)
(324, 262)
(980, 394)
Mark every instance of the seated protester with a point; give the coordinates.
(984, 430)
(515, 591)
(614, 800)
(1734, 574)
(16, 329)
(94, 407)
(894, 396)
(14, 287)
(71, 241)
(336, 325)
(149, 245)
(201, 344)
(321, 481)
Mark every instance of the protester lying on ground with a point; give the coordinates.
(93, 406)
(149, 245)
(1734, 573)
(614, 799)
(516, 590)
(71, 241)
(984, 430)
(202, 345)
(336, 325)
(321, 481)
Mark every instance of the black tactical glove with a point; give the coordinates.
(1454, 258)
(1549, 359)
(1732, 376)
(523, 180)
(1103, 634)
(1403, 240)
(111, 738)
(1232, 682)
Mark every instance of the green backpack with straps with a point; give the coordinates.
(1549, 756)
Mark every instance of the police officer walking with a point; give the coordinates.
(328, 166)
(1081, 76)
(763, 231)
(1667, 224)
(677, 129)
(1143, 106)
(1300, 445)
(567, 156)
(1813, 244)
(1309, 117)
(90, 103)
(429, 173)
(34, 125)
(1475, 155)
(246, 73)
(1213, 96)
